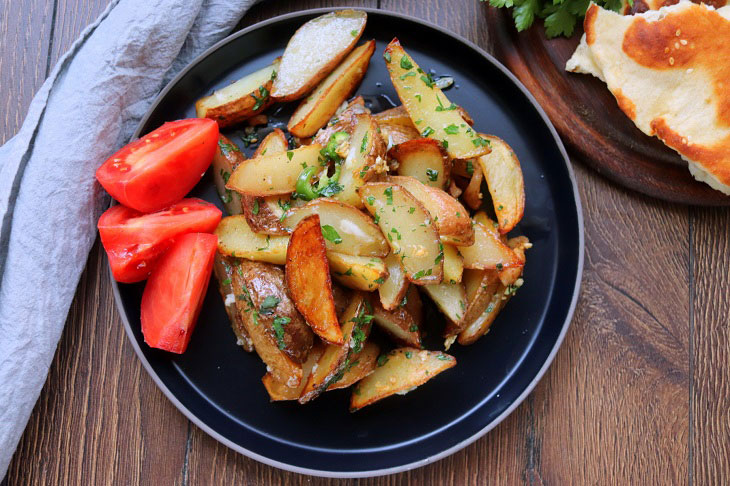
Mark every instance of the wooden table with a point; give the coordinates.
(638, 394)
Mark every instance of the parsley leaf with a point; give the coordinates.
(331, 234)
(406, 63)
(269, 304)
(432, 174)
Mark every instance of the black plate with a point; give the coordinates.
(217, 385)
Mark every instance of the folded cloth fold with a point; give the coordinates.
(49, 199)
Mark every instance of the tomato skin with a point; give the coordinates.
(160, 168)
(175, 291)
(133, 241)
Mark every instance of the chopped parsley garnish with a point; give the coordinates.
(358, 334)
(441, 107)
(269, 304)
(289, 154)
(278, 324)
(255, 209)
(389, 196)
(413, 328)
(443, 357)
(418, 97)
(331, 234)
(432, 174)
(364, 171)
(226, 282)
(426, 78)
(444, 144)
(364, 144)
(382, 359)
(500, 266)
(260, 101)
(396, 232)
(348, 273)
(427, 131)
(422, 273)
(379, 280)
(408, 354)
(353, 33)
(249, 138)
(469, 167)
(406, 63)
(452, 129)
(371, 200)
(386, 56)
(440, 256)
(411, 210)
(480, 142)
(500, 207)
(227, 148)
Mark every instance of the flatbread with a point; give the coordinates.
(669, 71)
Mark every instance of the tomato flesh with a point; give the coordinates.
(160, 168)
(174, 293)
(134, 241)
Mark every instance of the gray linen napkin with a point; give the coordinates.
(49, 199)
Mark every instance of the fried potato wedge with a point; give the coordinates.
(396, 134)
(314, 50)
(240, 100)
(403, 370)
(412, 236)
(237, 239)
(361, 365)
(480, 287)
(404, 322)
(365, 158)
(343, 121)
(356, 272)
(308, 280)
(504, 178)
(473, 194)
(280, 336)
(488, 251)
(223, 270)
(453, 264)
(479, 327)
(316, 110)
(449, 298)
(273, 143)
(395, 286)
(399, 116)
(395, 116)
(280, 391)
(331, 365)
(426, 104)
(227, 157)
(519, 245)
(263, 213)
(450, 217)
(424, 160)
(345, 228)
(273, 174)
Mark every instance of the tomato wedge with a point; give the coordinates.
(160, 168)
(133, 241)
(174, 292)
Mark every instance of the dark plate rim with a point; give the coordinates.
(478, 434)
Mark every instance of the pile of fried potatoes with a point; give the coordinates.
(339, 225)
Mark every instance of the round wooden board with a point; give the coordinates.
(588, 118)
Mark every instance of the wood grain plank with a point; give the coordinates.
(614, 407)
(465, 18)
(72, 16)
(25, 35)
(710, 392)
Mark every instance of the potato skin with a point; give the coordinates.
(403, 323)
(223, 269)
(253, 282)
